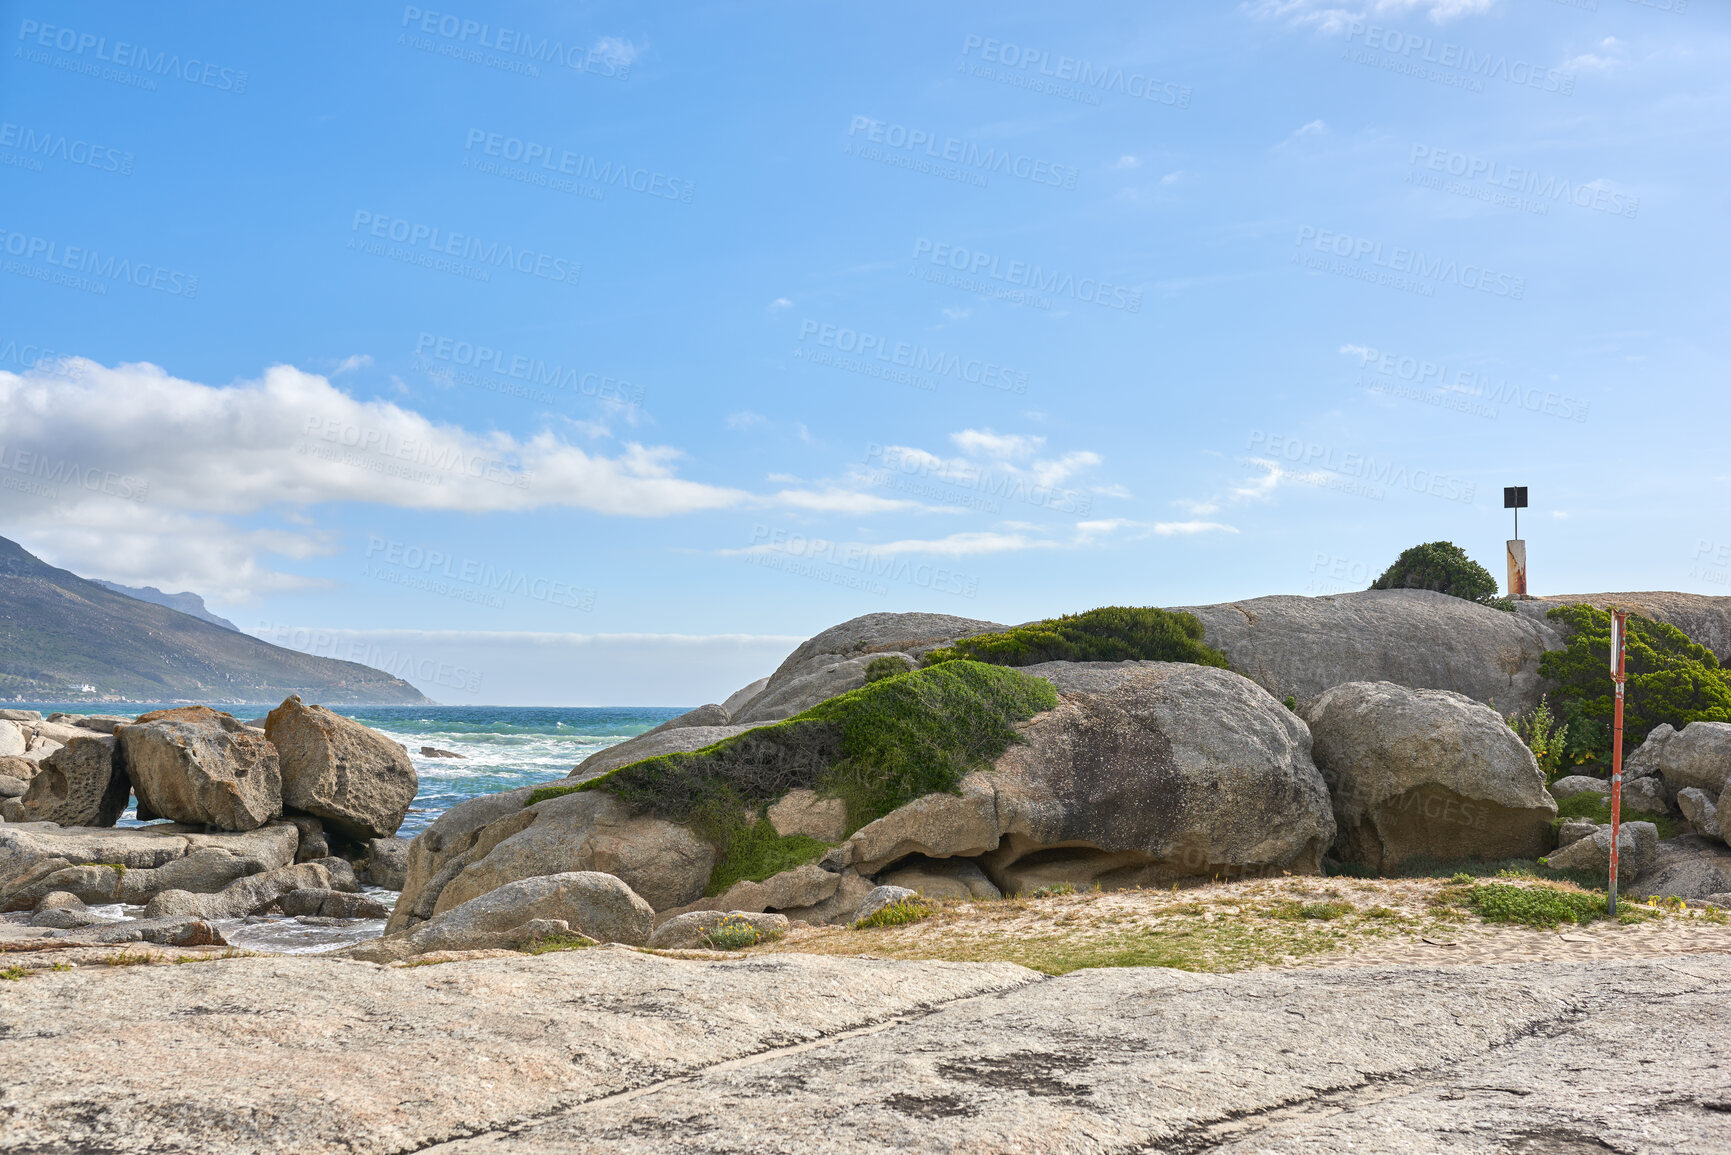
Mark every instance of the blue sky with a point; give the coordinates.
(590, 354)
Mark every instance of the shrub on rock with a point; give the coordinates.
(1441, 566)
(1109, 634)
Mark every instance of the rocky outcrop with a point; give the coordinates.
(941, 878)
(320, 903)
(1147, 773)
(1698, 755)
(12, 741)
(387, 863)
(1426, 773)
(692, 931)
(243, 896)
(588, 902)
(879, 898)
(834, 661)
(1573, 784)
(579, 832)
(353, 778)
(1637, 847)
(1690, 867)
(80, 784)
(679, 740)
(1701, 811)
(133, 865)
(199, 766)
(1302, 646)
(804, 812)
(1704, 618)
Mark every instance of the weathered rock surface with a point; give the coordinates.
(587, 901)
(11, 787)
(10, 715)
(175, 930)
(1648, 796)
(584, 831)
(1416, 638)
(1701, 811)
(803, 812)
(1572, 784)
(387, 863)
(681, 740)
(690, 931)
(1706, 619)
(792, 892)
(1689, 866)
(131, 865)
(12, 741)
(199, 766)
(1426, 773)
(351, 777)
(1698, 755)
(880, 897)
(243, 896)
(710, 715)
(1637, 846)
(1542, 1059)
(80, 784)
(330, 904)
(834, 661)
(743, 695)
(445, 847)
(1574, 829)
(941, 878)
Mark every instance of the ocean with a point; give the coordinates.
(502, 748)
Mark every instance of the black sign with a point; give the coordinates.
(1514, 497)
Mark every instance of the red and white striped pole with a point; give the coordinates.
(1619, 625)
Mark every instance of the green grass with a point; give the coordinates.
(556, 942)
(734, 934)
(1597, 808)
(547, 792)
(898, 913)
(1467, 869)
(1320, 911)
(755, 851)
(877, 748)
(13, 974)
(1543, 907)
(1108, 634)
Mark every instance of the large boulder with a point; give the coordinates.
(387, 863)
(353, 778)
(1689, 866)
(1426, 773)
(584, 831)
(692, 931)
(199, 766)
(80, 784)
(834, 661)
(1706, 619)
(1146, 773)
(1698, 755)
(12, 740)
(591, 903)
(1637, 850)
(1302, 646)
(131, 865)
(676, 740)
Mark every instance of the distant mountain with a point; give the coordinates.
(187, 603)
(64, 639)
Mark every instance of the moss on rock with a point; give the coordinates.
(1108, 634)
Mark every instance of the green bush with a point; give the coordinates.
(877, 748)
(899, 913)
(1544, 735)
(1108, 634)
(733, 934)
(888, 666)
(1670, 679)
(1539, 906)
(1444, 567)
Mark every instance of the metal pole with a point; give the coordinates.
(1620, 621)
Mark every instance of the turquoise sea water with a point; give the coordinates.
(503, 747)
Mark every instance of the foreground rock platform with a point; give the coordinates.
(609, 1049)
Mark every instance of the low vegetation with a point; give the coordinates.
(898, 913)
(887, 666)
(556, 942)
(1109, 634)
(1444, 567)
(735, 934)
(877, 748)
(1543, 907)
(1596, 808)
(1545, 735)
(1670, 679)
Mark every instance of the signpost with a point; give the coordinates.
(1619, 625)
(1515, 498)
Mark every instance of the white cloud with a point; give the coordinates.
(1314, 128)
(1000, 446)
(352, 362)
(779, 304)
(958, 314)
(1197, 508)
(1167, 528)
(615, 49)
(1172, 177)
(1606, 56)
(1127, 161)
(837, 500)
(745, 419)
(1362, 352)
(1333, 17)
